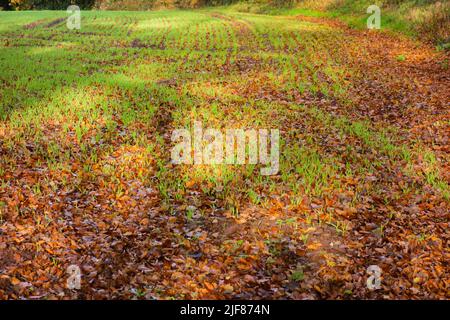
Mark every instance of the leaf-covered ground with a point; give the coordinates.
(85, 176)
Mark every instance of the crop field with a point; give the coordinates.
(86, 178)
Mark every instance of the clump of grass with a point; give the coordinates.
(401, 57)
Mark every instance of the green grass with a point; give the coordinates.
(89, 114)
